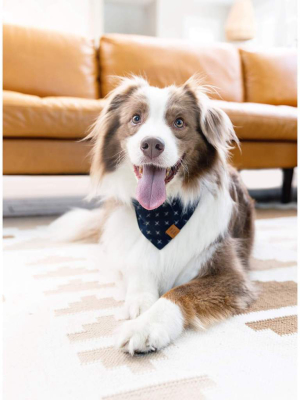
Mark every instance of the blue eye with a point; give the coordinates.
(179, 123)
(136, 119)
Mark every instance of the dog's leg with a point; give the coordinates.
(141, 294)
(223, 291)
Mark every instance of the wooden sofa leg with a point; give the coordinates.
(286, 194)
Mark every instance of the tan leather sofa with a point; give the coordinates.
(55, 84)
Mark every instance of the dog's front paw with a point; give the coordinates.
(136, 305)
(141, 336)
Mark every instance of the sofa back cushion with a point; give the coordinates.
(165, 62)
(48, 63)
(270, 76)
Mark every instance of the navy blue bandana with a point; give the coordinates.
(164, 223)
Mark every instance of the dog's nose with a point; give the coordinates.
(152, 147)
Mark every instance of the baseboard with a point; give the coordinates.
(44, 206)
(48, 206)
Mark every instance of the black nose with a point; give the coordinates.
(152, 147)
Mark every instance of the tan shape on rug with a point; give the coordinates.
(77, 285)
(89, 303)
(34, 244)
(113, 358)
(260, 265)
(274, 295)
(105, 327)
(66, 271)
(8, 236)
(281, 326)
(55, 260)
(189, 388)
(280, 239)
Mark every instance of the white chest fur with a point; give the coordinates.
(179, 261)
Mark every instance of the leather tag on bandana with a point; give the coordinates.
(172, 231)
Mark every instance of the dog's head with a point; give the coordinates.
(151, 142)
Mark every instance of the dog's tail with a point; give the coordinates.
(77, 225)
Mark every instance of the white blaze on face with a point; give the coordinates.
(151, 191)
(155, 126)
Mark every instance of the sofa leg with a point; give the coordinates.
(286, 194)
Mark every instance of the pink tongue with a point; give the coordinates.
(151, 189)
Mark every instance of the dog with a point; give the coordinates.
(177, 222)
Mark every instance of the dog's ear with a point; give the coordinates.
(214, 123)
(217, 127)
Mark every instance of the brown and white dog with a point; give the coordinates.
(156, 145)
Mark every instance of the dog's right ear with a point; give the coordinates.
(106, 149)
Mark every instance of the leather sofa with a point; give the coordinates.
(55, 87)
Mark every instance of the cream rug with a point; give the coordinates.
(58, 324)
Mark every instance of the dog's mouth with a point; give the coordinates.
(152, 180)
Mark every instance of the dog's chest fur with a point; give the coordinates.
(179, 261)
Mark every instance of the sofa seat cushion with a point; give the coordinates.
(261, 122)
(48, 117)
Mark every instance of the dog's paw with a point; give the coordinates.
(135, 306)
(140, 336)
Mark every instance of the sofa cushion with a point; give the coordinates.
(48, 63)
(50, 117)
(261, 121)
(271, 76)
(167, 61)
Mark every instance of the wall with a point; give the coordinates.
(196, 20)
(82, 17)
(276, 23)
(130, 17)
(204, 21)
(199, 21)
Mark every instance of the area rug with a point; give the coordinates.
(59, 324)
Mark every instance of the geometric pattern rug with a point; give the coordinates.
(59, 324)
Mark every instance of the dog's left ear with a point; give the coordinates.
(217, 127)
(214, 123)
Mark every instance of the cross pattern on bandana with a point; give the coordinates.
(164, 223)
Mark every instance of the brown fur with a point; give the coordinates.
(223, 288)
(242, 221)
(200, 155)
(221, 291)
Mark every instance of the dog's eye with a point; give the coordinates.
(179, 123)
(136, 119)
